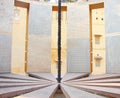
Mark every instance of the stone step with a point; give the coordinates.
(71, 92)
(46, 92)
(5, 80)
(109, 92)
(19, 77)
(6, 85)
(72, 76)
(112, 85)
(99, 77)
(115, 80)
(46, 76)
(15, 91)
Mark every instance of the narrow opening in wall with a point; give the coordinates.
(97, 40)
(98, 63)
(54, 40)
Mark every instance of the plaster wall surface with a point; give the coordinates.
(5, 53)
(39, 39)
(113, 54)
(112, 21)
(6, 16)
(78, 58)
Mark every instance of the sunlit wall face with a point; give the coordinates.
(18, 40)
(98, 41)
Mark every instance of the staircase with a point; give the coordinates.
(73, 85)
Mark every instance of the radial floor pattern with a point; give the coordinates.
(73, 85)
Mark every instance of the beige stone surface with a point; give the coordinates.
(98, 41)
(18, 42)
(54, 38)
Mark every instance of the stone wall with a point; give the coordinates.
(112, 21)
(78, 39)
(39, 39)
(6, 15)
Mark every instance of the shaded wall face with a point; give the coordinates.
(78, 39)
(39, 39)
(112, 20)
(112, 9)
(6, 15)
